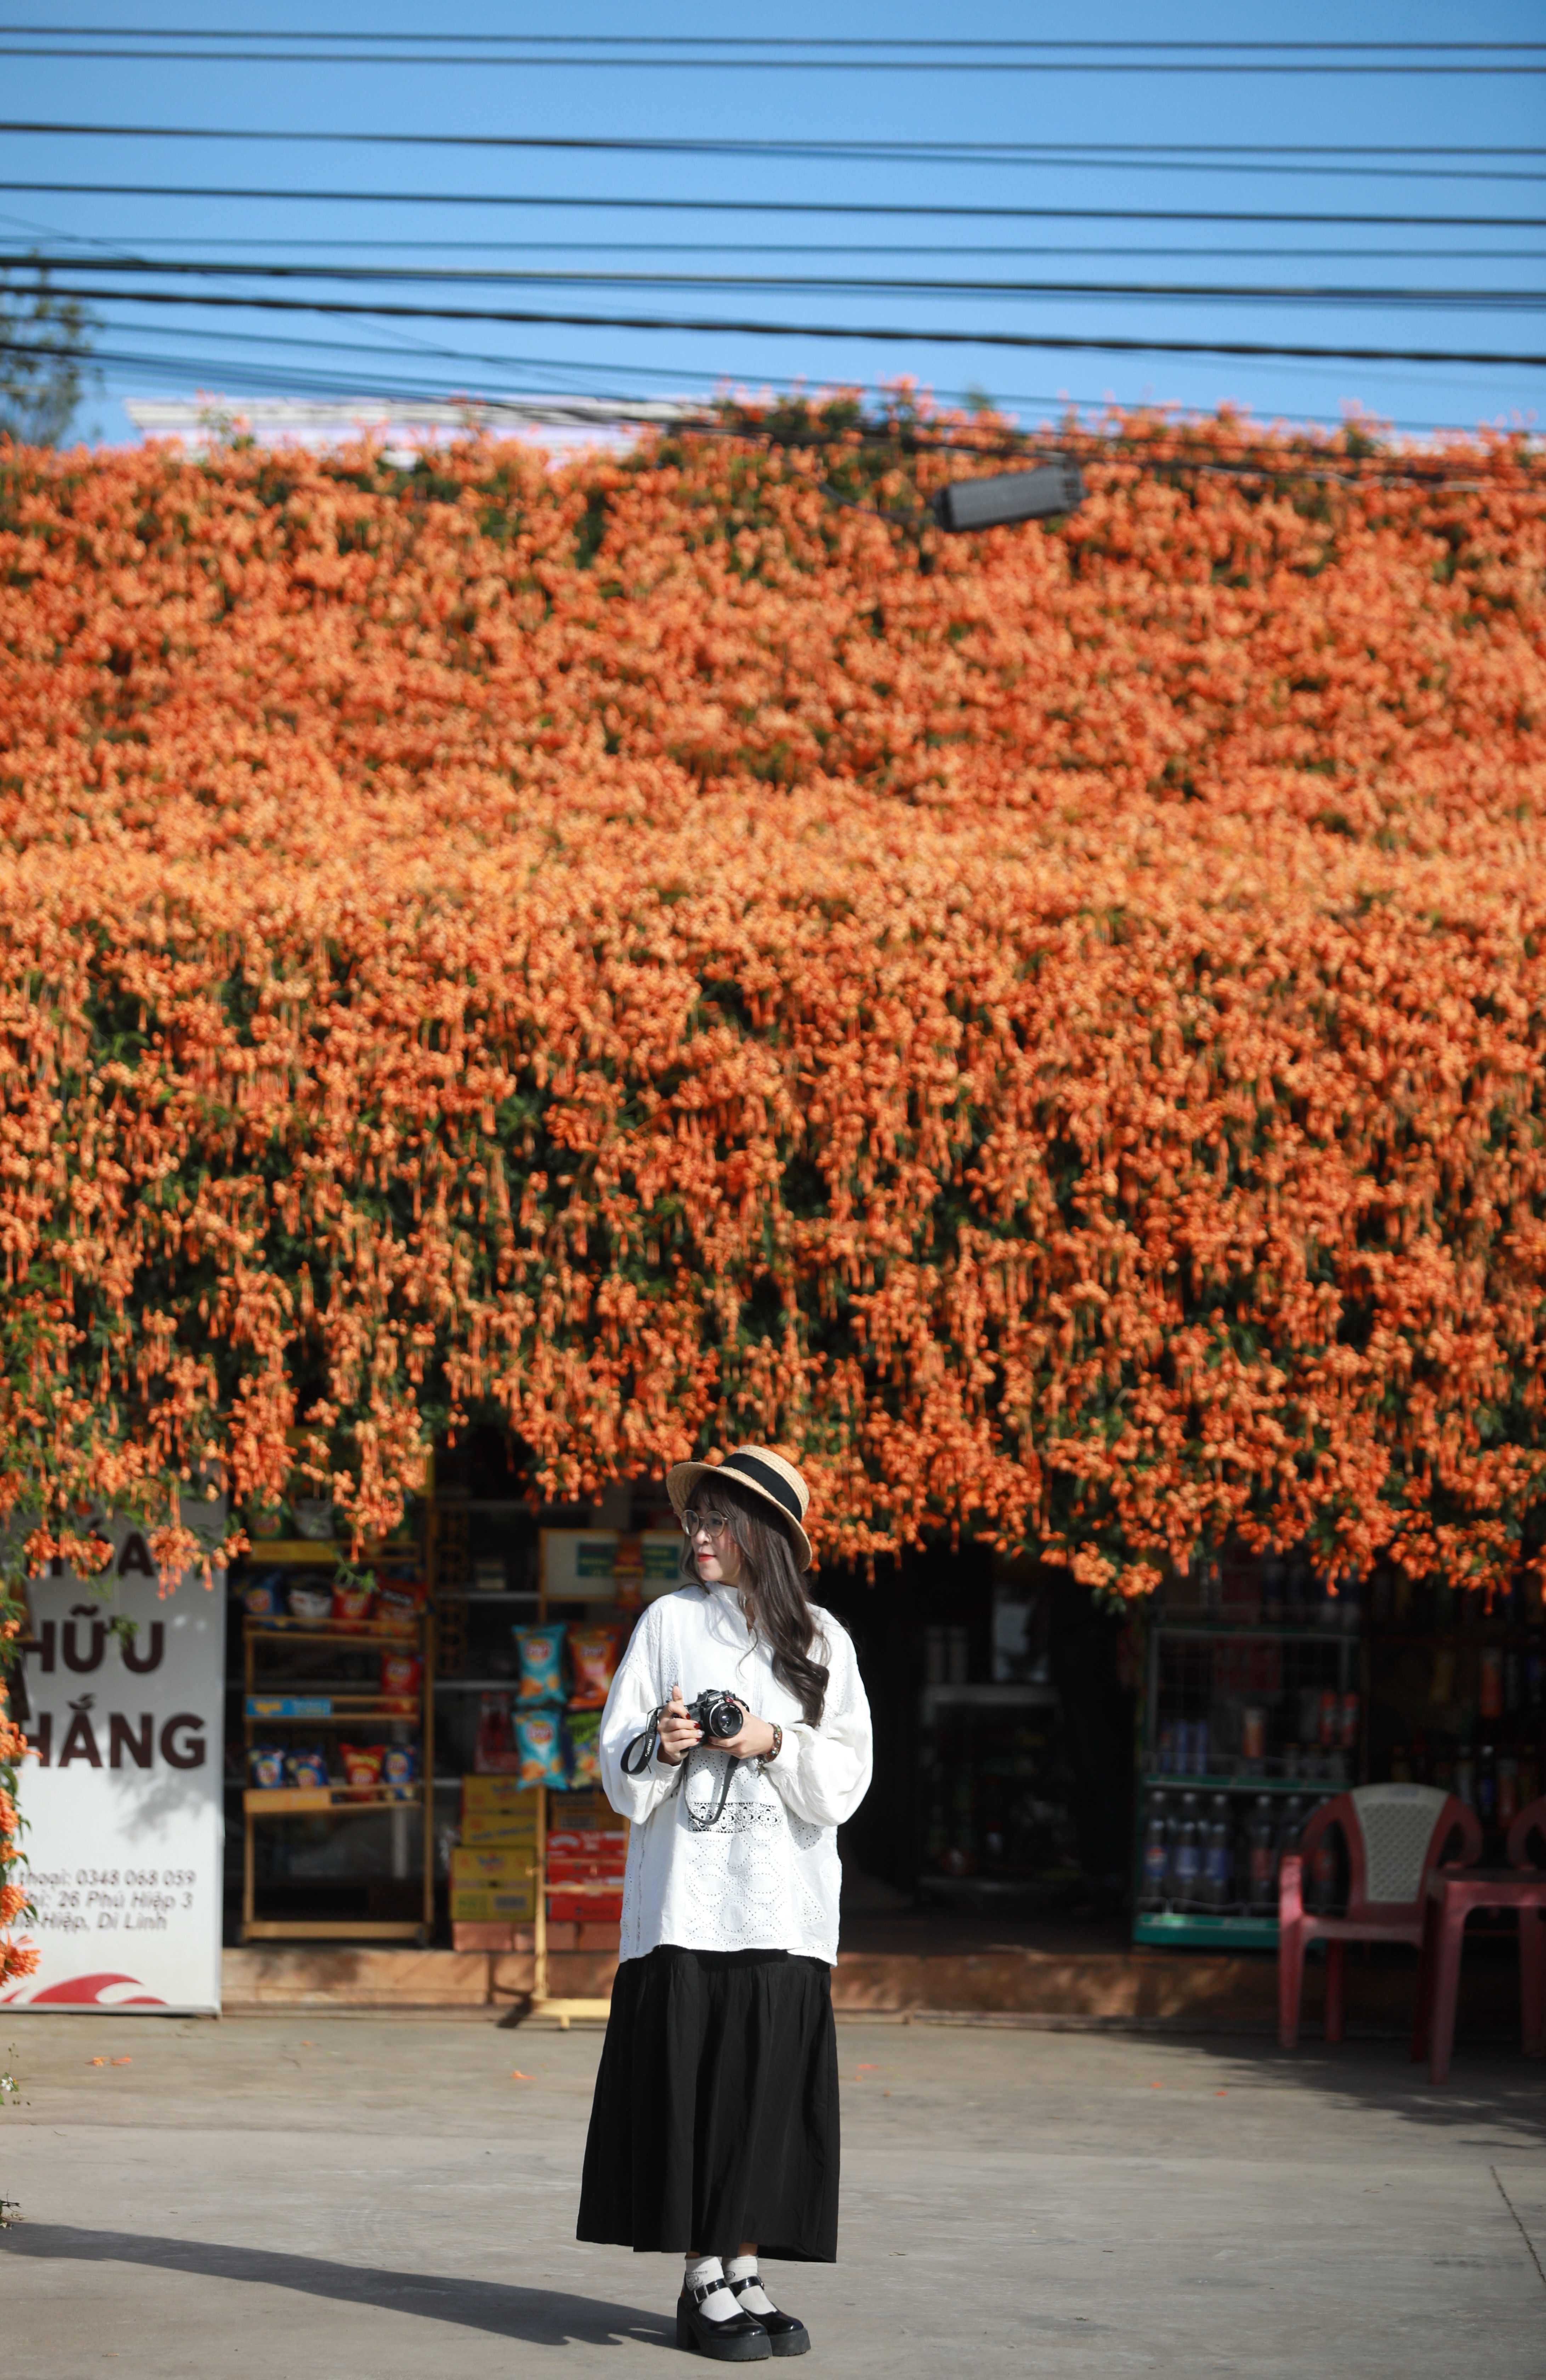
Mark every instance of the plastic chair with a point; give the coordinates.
(1450, 1897)
(1395, 1836)
(1531, 1822)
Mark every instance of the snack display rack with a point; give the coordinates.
(277, 1702)
(610, 1577)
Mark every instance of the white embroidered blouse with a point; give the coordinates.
(764, 1875)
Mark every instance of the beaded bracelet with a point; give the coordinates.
(777, 1742)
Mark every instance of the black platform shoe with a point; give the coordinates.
(787, 2335)
(739, 2338)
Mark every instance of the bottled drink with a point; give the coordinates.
(1262, 1860)
(1321, 1893)
(1185, 1857)
(1217, 1862)
(1156, 1855)
(1290, 1827)
(1486, 1787)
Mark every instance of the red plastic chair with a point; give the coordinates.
(1531, 1822)
(1396, 1836)
(1452, 1897)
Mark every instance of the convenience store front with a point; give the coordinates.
(399, 1772)
(1115, 1789)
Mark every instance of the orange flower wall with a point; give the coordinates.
(1050, 1034)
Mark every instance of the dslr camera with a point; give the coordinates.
(717, 1713)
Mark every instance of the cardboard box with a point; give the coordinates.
(587, 1843)
(585, 1908)
(508, 1904)
(503, 1793)
(486, 1866)
(490, 1829)
(497, 1810)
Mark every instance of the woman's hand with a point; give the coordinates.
(753, 1742)
(678, 1732)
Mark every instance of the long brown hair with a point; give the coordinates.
(771, 1588)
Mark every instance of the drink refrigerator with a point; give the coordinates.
(1252, 1716)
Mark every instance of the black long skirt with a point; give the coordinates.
(716, 2112)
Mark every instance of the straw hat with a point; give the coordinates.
(765, 1474)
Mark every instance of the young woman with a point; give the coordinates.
(715, 2125)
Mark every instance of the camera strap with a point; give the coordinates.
(641, 1751)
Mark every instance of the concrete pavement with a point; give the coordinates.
(368, 2198)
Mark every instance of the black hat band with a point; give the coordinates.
(762, 1474)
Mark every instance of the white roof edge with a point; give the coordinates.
(350, 416)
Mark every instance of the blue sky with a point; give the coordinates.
(183, 349)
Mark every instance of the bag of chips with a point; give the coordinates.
(398, 1605)
(400, 1673)
(592, 1660)
(352, 1599)
(265, 1765)
(539, 1743)
(400, 1769)
(264, 1597)
(585, 1748)
(307, 1767)
(540, 1651)
(312, 1605)
(362, 1765)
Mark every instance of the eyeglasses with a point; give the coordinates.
(713, 1524)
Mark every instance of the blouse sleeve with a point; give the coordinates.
(822, 1773)
(635, 1693)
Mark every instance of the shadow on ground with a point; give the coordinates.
(540, 2318)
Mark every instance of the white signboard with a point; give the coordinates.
(121, 1787)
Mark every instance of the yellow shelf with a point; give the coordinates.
(284, 1800)
(323, 1550)
(334, 1929)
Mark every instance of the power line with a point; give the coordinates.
(862, 207)
(86, 241)
(912, 285)
(729, 63)
(736, 41)
(1053, 343)
(1131, 156)
(283, 379)
(672, 376)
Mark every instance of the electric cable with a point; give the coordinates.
(247, 192)
(86, 243)
(636, 61)
(1134, 157)
(846, 285)
(399, 309)
(739, 40)
(408, 350)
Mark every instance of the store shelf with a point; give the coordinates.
(371, 1714)
(288, 1801)
(1009, 1698)
(479, 1686)
(334, 1929)
(365, 1709)
(288, 1552)
(332, 1632)
(1164, 1783)
(1285, 1630)
(480, 1594)
(1181, 1930)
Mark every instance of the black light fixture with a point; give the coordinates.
(1056, 486)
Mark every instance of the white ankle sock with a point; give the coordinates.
(698, 2273)
(753, 2300)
